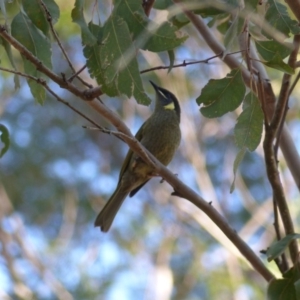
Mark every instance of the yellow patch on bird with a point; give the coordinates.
(170, 106)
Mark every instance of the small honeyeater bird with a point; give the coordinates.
(160, 134)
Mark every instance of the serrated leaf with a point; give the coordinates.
(268, 49)
(93, 62)
(277, 63)
(147, 34)
(92, 54)
(279, 18)
(238, 159)
(222, 95)
(39, 45)
(279, 247)
(171, 55)
(249, 126)
(233, 32)
(77, 17)
(118, 67)
(5, 139)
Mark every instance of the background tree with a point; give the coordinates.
(238, 60)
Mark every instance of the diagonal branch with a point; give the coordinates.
(295, 7)
(287, 144)
(88, 94)
(160, 169)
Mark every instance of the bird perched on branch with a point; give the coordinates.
(160, 134)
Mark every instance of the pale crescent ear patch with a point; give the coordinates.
(162, 94)
(170, 106)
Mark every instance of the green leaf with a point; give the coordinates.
(147, 34)
(5, 139)
(248, 130)
(233, 32)
(36, 14)
(249, 126)
(53, 9)
(39, 45)
(77, 17)
(238, 159)
(222, 21)
(279, 247)
(203, 7)
(8, 51)
(119, 67)
(3, 10)
(281, 289)
(277, 63)
(286, 288)
(206, 10)
(297, 288)
(279, 18)
(180, 20)
(268, 49)
(93, 62)
(172, 59)
(92, 54)
(222, 95)
(162, 4)
(251, 6)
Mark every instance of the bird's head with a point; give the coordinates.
(165, 100)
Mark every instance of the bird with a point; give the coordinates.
(160, 135)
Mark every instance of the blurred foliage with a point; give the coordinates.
(56, 176)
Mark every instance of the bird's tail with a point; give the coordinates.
(109, 211)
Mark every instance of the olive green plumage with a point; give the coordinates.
(160, 134)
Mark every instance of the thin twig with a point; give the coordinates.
(273, 175)
(184, 63)
(49, 19)
(294, 83)
(282, 104)
(261, 96)
(88, 94)
(46, 86)
(282, 265)
(77, 73)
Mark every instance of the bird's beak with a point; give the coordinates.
(154, 85)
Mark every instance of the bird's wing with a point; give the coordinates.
(138, 136)
(133, 192)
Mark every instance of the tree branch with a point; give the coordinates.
(287, 144)
(295, 7)
(49, 19)
(88, 94)
(184, 63)
(160, 169)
